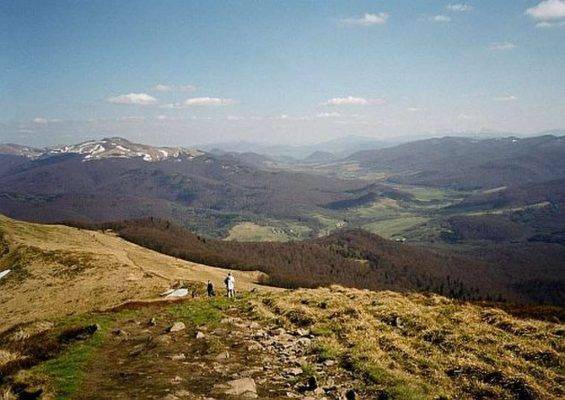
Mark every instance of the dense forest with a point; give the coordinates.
(352, 258)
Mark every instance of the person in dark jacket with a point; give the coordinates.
(210, 289)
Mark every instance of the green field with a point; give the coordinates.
(274, 232)
(395, 227)
(329, 223)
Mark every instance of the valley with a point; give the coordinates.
(107, 183)
(352, 283)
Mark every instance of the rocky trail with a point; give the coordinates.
(312, 344)
(204, 349)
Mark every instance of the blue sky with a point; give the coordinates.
(187, 72)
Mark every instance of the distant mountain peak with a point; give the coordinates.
(19, 150)
(117, 147)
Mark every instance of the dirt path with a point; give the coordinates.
(219, 355)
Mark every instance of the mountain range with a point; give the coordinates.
(116, 179)
(467, 164)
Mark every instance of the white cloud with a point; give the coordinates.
(459, 7)
(133, 118)
(501, 46)
(332, 114)
(506, 97)
(465, 117)
(415, 109)
(545, 24)
(207, 101)
(355, 101)
(173, 88)
(201, 101)
(440, 18)
(548, 10)
(43, 121)
(367, 19)
(140, 99)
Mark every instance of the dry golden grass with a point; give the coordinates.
(426, 346)
(7, 394)
(59, 271)
(8, 356)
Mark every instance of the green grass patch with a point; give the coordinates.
(328, 349)
(203, 312)
(397, 388)
(308, 370)
(67, 371)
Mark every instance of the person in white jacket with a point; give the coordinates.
(230, 285)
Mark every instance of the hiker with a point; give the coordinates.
(230, 285)
(210, 289)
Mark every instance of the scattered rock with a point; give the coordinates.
(200, 335)
(4, 273)
(224, 355)
(137, 350)
(177, 326)
(260, 334)
(329, 363)
(278, 331)
(302, 332)
(244, 387)
(310, 385)
(176, 380)
(152, 322)
(178, 357)
(183, 393)
(293, 371)
(182, 292)
(254, 346)
(119, 332)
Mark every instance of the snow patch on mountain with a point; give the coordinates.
(122, 148)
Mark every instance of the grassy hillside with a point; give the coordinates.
(427, 347)
(352, 258)
(59, 270)
(332, 343)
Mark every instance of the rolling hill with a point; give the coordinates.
(115, 179)
(357, 258)
(465, 163)
(58, 270)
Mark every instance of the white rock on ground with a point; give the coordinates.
(177, 326)
(4, 273)
(177, 293)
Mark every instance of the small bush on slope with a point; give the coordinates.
(424, 347)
